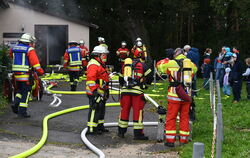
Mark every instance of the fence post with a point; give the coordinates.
(198, 150)
(211, 89)
(154, 74)
(219, 123)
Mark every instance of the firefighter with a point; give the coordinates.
(85, 53)
(139, 52)
(24, 58)
(180, 71)
(97, 89)
(136, 75)
(73, 62)
(122, 53)
(142, 48)
(101, 41)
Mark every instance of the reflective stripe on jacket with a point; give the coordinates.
(75, 56)
(20, 59)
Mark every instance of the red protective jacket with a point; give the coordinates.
(97, 77)
(122, 53)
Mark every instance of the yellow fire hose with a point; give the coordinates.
(83, 92)
(43, 139)
(39, 145)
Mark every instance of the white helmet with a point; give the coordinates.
(139, 44)
(138, 39)
(72, 43)
(101, 39)
(81, 42)
(186, 47)
(27, 38)
(100, 50)
(123, 43)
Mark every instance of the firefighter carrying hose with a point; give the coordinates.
(97, 89)
(73, 62)
(24, 58)
(136, 75)
(122, 53)
(180, 70)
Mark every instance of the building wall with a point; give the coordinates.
(13, 18)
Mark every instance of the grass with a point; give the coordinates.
(236, 121)
(3, 104)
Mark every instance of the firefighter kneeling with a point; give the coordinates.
(135, 77)
(180, 71)
(97, 90)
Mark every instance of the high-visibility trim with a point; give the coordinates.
(138, 125)
(89, 91)
(100, 121)
(140, 117)
(88, 82)
(184, 133)
(174, 98)
(37, 65)
(91, 122)
(131, 91)
(98, 100)
(21, 76)
(170, 137)
(184, 137)
(75, 63)
(147, 72)
(94, 62)
(27, 98)
(25, 105)
(23, 59)
(18, 95)
(139, 74)
(170, 131)
(100, 91)
(71, 83)
(24, 68)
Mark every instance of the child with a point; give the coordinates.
(206, 69)
(236, 78)
(247, 75)
(226, 85)
(207, 53)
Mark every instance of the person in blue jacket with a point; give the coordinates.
(194, 55)
(219, 70)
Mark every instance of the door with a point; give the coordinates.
(51, 43)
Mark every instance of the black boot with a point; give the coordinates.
(73, 87)
(121, 132)
(139, 135)
(102, 128)
(94, 132)
(22, 112)
(171, 145)
(14, 109)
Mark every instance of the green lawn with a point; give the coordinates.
(3, 104)
(236, 119)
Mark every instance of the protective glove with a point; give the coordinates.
(161, 110)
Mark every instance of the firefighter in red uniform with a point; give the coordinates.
(139, 50)
(97, 90)
(136, 75)
(73, 62)
(180, 71)
(24, 57)
(85, 53)
(122, 53)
